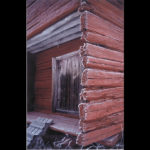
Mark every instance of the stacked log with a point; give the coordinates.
(102, 109)
(41, 14)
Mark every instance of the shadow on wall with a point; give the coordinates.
(30, 81)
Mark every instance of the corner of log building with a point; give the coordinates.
(96, 29)
(101, 110)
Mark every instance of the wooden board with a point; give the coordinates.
(50, 15)
(94, 23)
(105, 41)
(111, 119)
(97, 94)
(99, 110)
(61, 123)
(99, 134)
(105, 10)
(62, 31)
(101, 52)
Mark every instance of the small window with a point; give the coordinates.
(66, 82)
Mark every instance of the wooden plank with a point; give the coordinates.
(119, 4)
(61, 124)
(101, 52)
(97, 78)
(33, 11)
(48, 42)
(47, 20)
(99, 74)
(101, 123)
(117, 92)
(106, 41)
(66, 23)
(105, 10)
(51, 9)
(61, 41)
(99, 110)
(102, 64)
(101, 26)
(103, 83)
(98, 135)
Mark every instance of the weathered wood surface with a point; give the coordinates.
(118, 3)
(67, 70)
(111, 119)
(65, 23)
(102, 64)
(101, 52)
(43, 77)
(106, 41)
(64, 30)
(99, 134)
(97, 111)
(96, 78)
(89, 95)
(104, 9)
(49, 14)
(62, 124)
(94, 23)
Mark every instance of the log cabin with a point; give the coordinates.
(75, 66)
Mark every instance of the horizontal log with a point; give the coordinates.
(51, 9)
(60, 38)
(103, 64)
(104, 122)
(100, 110)
(98, 78)
(101, 52)
(103, 83)
(37, 8)
(48, 20)
(105, 10)
(58, 50)
(101, 26)
(85, 139)
(106, 41)
(112, 93)
(62, 25)
(57, 43)
(99, 74)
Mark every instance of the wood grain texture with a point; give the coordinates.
(99, 134)
(104, 9)
(102, 64)
(43, 77)
(109, 120)
(101, 52)
(96, 78)
(89, 95)
(54, 13)
(103, 40)
(99, 110)
(101, 26)
(68, 22)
